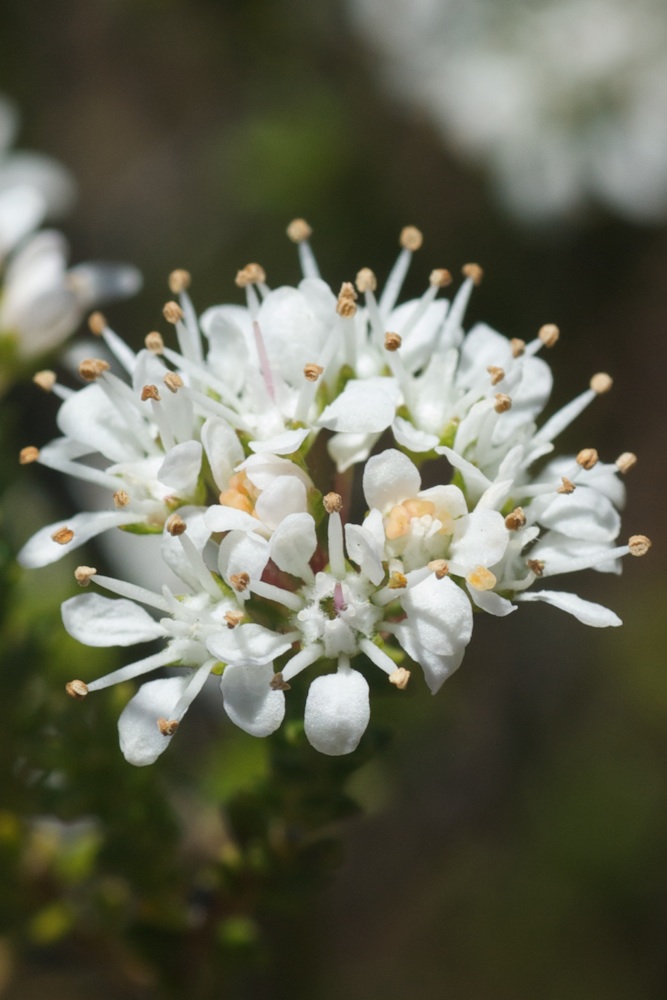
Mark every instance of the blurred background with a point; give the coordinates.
(512, 839)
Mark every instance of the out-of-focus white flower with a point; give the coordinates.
(562, 101)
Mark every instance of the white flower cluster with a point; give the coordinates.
(207, 445)
(562, 101)
(41, 300)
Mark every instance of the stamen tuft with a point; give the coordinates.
(549, 334)
(333, 503)
(366, 280)
(474, 272)
(45, 379)
(97, 323)
(91, 368)
(587, 458)
(411, 238)
(179, 280)
(392, 341)
(173, 313)
(175, 525)
(299, 230)
(240, 582)
(439, 567)
(626, 461)
(167, 726)
(440, 277)
(63, 535)
(639, 545)
(150, 392)
(399, 678)
(28, 455)
(503, 402)
(515, 520)
(251, 274)
(84, 574)
(601, 383)
(77, 689)
(312, 371)
(154, 342)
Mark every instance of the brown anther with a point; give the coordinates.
(150, 392)
(536, 566)
(515, 520)
(518, 346)
(121, 499)
(45, 379)
(167, 726)
(497, 374)
(239, 581)
(439, 567)
(333, 503)
(392, 341)
(601, 383)
(77, 689)
(346, 305)
(63, 535)
(399, 678)
(474, 272)
(397, 581)
(639, 545)
(92, 368)
(97, 323)
(312, 371)
(503, 402)
(251, 274)
(84, 574)
(173, 381)
(172, 312)
(175, 525)
(278, 684)
(549, 334)
(233, 618)
(366, 280)
(179, 280)
(587, 458)
(299, 230)
(154, 342)
(28, 455)
(566, 486)
(626, 461)
(411, 238)
(440, 277)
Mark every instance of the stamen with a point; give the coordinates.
(474, 272)
(549, 334)
(301, 660)
(392, 341)
(503, 402)
(251, 274)
(397, 581)
(154, 342)
(587, 458)
(400, 678)
(601, 383)
(366, 280)
(518, 346)
(278, 594)
(481, 578)
(135, 593)
(567, 486)
(97, 323)
(278, 683)
(377, 656)
(312, 371)
(240, 582)
(91, 368)
(515, 520)
(150, 392)
(173, 382)
(333, 503)
(173, 313)
(300, 232)
(132, 670)
(121, 498)
(439, 567)
(175, 525)
(639, 545)
(626, 461)
(535, 566)
(63, 535)
(167, 727)
(45, 379)
(264, 361)
(77, 690)
(233, 618)
(179, 281)
(346, 304)
(28, 455)
(411, 238)
(497, 374)
(84, 574)
(440, 277)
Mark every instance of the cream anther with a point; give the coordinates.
(278, 684)
(179, 280)
(346, 305)
(251, 274)
(366, 280)
(439, 567)
(154, 342)
(587, 458)
(173, 381)
(601, 383)
(536, 566)
(175, 525)
(299, 230)
(474, 272)
(333, 503)
(77, 689)
(92, 368)
(411, 238)
(240, 581)
(150, 392)
(399, 678)
(639, 545)
(548, 334)
(566, 487)
(392, 341)
(440, 277)
(62, 536)
(503, 402)
(481, 578)
(97, 323)
(28, 455)
(45, 379)
(518, 346)
(167, 726)
(397, 581)
(515, 520)
(172, 312)
(121, 499)
(233, 618)
(626, 461)
(84, 574)
(497, 374)
(312, 371)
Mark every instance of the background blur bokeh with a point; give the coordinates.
(514, 835)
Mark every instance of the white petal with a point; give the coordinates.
(285, 495)
(263, 469)
(389, 478)
(243, 552)
(249, 644)
(141, 742)
(249, 701)
(180, 469)
(560, 552)
(220, 517)
(491, 602)
(439, 616)
(408, 436)
(348, 449)
(21, 210)
(475, 480)
(103, 621)
(89, 417)
(437, 668)
(172, 550)
(585, 611)
(282, 444)
(337, 712)
(480, 539)
(363, 550)
(365, 406)
(223, 450)
(583, 514)
(98, 282)
(293, 543)
(41, 550)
